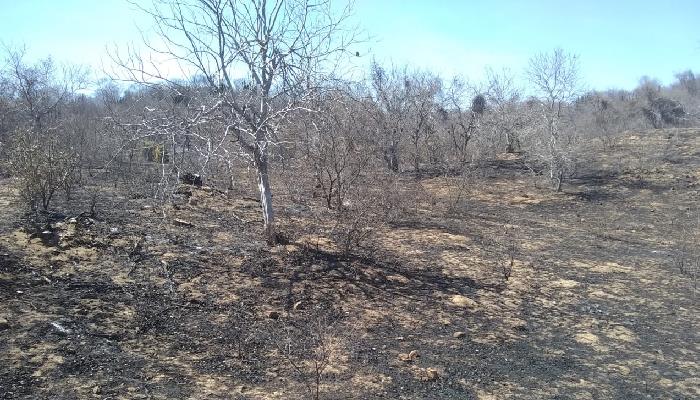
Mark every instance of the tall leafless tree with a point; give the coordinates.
(506, 118)
(463, 107)
(42, 154)
(390, 113)
(337, 146)
(555, 78)
(261, 60)
(422, 90)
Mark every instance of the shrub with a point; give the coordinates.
(42, 166)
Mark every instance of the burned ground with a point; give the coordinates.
(128, 303)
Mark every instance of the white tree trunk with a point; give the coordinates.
(265, 195)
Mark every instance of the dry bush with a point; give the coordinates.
(391, 198)
(337, 147)
(310, 344)
(556, 79)
(42, 166)
(470, 176)
(663, 112)
(511, 249)
(379, 201)
(353, 228)
(686, 257)
(504, 249)
(597, 116)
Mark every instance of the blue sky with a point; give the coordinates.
(618, 41)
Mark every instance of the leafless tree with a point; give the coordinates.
(689, 81)
(42, 155)
(337, 146)
(258, 60)
(405, 104)
(390, 112)
(462, 111)
(422, 90)
(556, 80)
(648, 88)
(506, 117)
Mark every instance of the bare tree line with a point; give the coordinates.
(263, 90)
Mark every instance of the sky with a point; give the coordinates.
(618, 41)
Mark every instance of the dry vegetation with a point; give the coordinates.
(129, 304)
(289, 235)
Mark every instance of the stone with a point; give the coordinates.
(463, 301)
(4, 324)
(60, 329)
(458, 335)
(409, 357)
(189, 178)
(182, 222)
(273, 315)
(431, 374)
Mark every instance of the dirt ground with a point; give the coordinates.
(131, 305)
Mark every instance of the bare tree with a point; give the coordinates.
(337, 146)
(506, 117)
(422, 90)
(689, 81)
(260, 61)
(405, 108)
(462, 110)
(42, 155)
(555, 78)
(390, 113)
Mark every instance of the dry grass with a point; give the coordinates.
(593, 309)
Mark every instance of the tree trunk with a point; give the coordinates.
(392, 158)
(416, 161)
(265, 195)
(560, 178)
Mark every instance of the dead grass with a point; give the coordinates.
(593, 309)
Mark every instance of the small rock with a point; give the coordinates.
(299, 305)
(182, 222)
(190, 178)
(408, 357)
(463, 301)
(60, 328)
(96, 390)
(4, 324)
(458, 335)
(431, 374)
(273, 315)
